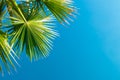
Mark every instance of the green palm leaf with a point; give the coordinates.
(6, 52)
(61, 9)
(34, 35)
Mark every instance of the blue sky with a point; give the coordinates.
(88, 49)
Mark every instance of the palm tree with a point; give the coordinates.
(29, 25)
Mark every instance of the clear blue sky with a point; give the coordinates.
(89, 49)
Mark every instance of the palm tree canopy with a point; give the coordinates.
(29, 25)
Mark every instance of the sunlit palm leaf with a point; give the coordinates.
(34, 35)
(61, 9)
(6, 52)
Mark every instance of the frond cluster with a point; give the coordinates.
(29, 25)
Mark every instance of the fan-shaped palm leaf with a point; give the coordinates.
(34, 34)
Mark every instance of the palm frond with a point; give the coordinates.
(61, 9)
(34, 35)
(6, 52)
